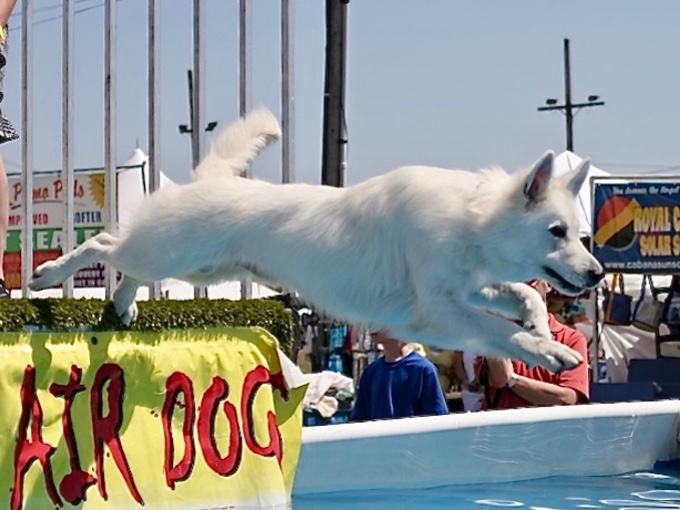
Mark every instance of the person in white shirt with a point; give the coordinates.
(471, 392)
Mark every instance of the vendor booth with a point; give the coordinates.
(636, 238)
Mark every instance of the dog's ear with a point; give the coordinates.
(539, 177)
(574, 180)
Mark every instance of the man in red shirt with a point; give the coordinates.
(513, 384)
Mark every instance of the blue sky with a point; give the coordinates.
(440, 82)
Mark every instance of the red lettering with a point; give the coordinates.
(27, 451)
(252, 382)
(229, 464)
(16, 191)
(75, 483)
(40, 194)
(106, 430)
(178, 383)
(58, 186)
(78, 190)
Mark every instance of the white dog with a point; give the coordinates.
(426, 253)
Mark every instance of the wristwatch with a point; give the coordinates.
(512, 381)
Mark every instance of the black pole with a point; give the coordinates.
(192, 132)
(567, 98)
(334, 137)
(190, 88)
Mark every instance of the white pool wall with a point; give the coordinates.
(498, 446)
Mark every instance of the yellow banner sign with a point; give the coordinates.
(181, 419)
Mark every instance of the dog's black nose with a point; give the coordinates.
(594, 277)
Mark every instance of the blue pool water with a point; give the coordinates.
(659, 489)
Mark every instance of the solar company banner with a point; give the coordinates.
(48, 214)
(178, 420)
(636, 226)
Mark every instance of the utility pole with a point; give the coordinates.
(568, 107)
(334, 132)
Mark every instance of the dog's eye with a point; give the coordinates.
(558, 231)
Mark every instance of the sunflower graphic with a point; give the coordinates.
(97, 185)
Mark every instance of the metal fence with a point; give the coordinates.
(153, 98)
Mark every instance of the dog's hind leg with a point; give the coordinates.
(124, 299)
(53, 272)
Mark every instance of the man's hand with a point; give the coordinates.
(536, 392)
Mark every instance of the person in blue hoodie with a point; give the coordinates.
(400, 384)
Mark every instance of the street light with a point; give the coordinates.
(185, 128)
(568, 107)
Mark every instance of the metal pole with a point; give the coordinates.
(595, 303)
(67, 171)
(245, 88)
(26, 145)
(110, 130)
(334, 140)
(153, 102)
(198, 102)
(287, 91)
(244, 59)
(567, 98)
(197, 98)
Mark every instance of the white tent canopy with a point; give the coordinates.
(566, 162)
(133, 185)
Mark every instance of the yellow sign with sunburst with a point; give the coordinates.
(97, 185)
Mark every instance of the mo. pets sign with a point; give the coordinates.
(93, 434)
(636, 225)
(47, 195)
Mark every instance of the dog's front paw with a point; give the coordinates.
(45, 276)
(536, 350)
(539, 328)
(536, 322)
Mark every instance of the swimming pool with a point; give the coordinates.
(496, 446)
(593, 456)
(646, 490)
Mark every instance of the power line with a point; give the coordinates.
(648, 169)
(644, 165)
(17, 14)
(54, 18)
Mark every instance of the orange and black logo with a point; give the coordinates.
(614, 223)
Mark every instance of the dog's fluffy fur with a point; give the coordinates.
(429, 254)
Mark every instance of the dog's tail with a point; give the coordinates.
(239, 144)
